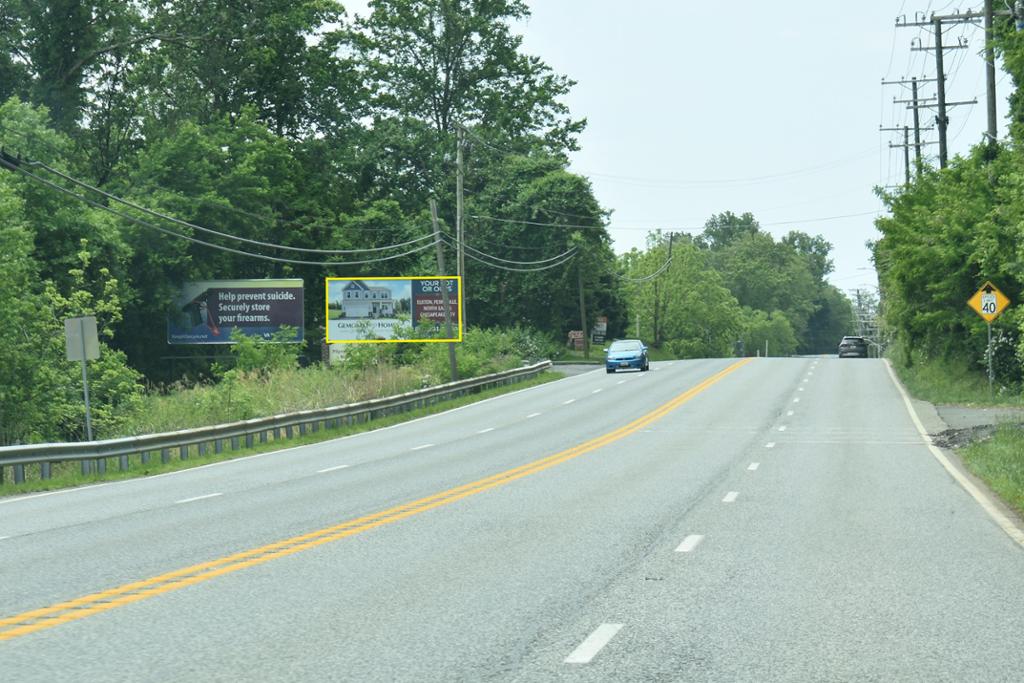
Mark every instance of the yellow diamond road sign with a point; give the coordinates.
(988, 302)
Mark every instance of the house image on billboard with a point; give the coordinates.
(360, 301)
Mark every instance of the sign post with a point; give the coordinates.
(989, 303)
(82, 344)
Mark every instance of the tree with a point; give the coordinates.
(457, 61)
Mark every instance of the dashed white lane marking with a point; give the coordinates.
(192, 500)
(596, 391)
(621, 381)
(689, 543)
(331, 469)
(789, 413)
(731, 497)
(571, 400)
(484, 431)
(4, 538)
(796, 400)
(800, 389)
(421, 447)
(782, 428)
(770, 444)
(532, 415)
(589, 648)
(805, 381)
(753, 466)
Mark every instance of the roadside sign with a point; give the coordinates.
(988, 302)
(80, 339)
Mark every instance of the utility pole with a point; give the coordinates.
(942, 120)
(914, 104)
(990, 75)
(936, 23)
(906, 149)
(583, 310)
(444, 291)
(460, 234)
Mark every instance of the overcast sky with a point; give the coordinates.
(773, 108)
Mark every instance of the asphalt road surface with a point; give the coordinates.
(774, 519)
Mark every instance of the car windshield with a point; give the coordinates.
(620, 346)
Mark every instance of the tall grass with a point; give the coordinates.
(258, 394)
(999, 461)
(943, 381)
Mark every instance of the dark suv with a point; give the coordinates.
(856, 347)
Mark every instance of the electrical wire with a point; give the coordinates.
(14, 167)
(210, 231)
(653, 275)
(678, 229)
(506, 268)
(454, 241)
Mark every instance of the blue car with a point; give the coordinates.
(626, 353)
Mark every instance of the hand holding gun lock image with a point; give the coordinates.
(211, 311)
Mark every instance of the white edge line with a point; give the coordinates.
(689, 543)
(192, 500)
(331, 469)
(995, 513)
(589, 648)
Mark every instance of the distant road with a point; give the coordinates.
(760, 520)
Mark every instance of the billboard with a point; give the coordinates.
(392, 309)
(206, 312)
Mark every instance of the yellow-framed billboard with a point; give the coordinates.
(374, 310)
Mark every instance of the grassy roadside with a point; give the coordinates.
(999, 460)
(66, 475)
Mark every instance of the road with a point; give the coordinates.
(774, 519)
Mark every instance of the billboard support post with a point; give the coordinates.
(444, 290)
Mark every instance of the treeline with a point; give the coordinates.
(276, 122)
(147, 144)
(949, 232)
(733, 288)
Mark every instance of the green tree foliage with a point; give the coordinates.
(458, 61)
(949, 232)
(697, 316)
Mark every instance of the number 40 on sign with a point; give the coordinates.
(988, 302)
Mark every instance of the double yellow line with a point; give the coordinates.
(94, 603)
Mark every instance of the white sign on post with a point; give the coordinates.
(81, 342)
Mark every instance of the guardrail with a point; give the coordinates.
(233, 434)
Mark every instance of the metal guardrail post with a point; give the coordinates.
(19, 474)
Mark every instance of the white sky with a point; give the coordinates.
(773, 108)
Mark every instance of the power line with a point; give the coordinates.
(210, 231)
(676, 229)
(454, 241)
(5, 163)
(570, 257)
(653, 275)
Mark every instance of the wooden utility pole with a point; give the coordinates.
(583, 310)
(990, 75)
(914, 104)
(460, 232)
(444, 291)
